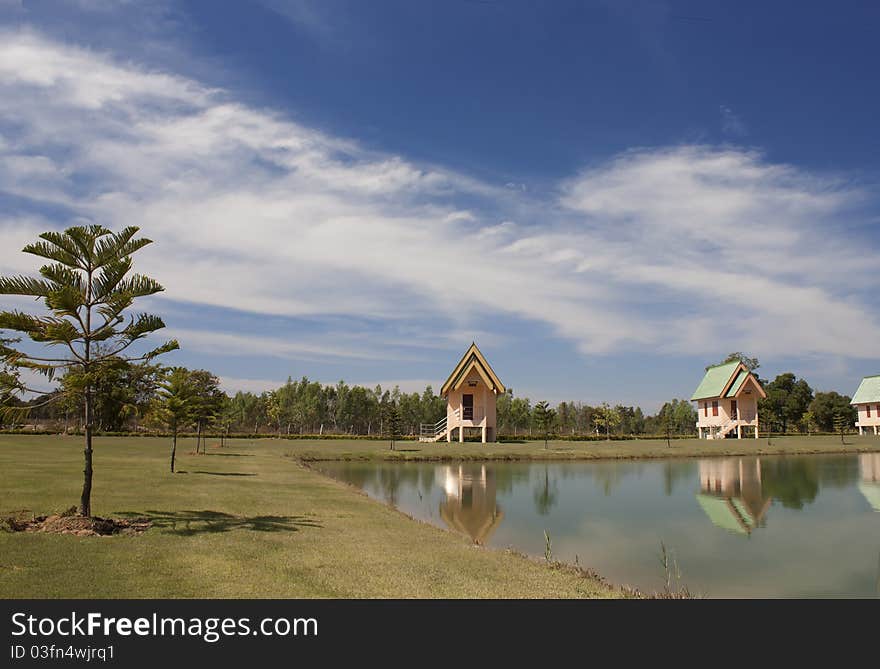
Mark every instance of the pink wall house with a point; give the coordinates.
(471, 392)
(727, 402)
(867, 402)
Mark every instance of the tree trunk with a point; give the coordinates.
(86, 497)
(173, 448)
(198, 436)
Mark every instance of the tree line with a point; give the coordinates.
(135, 398)
(132, 397)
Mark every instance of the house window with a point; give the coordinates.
(868, 407)
(714, 407)
(706, 409)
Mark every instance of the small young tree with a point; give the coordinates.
(391, 421)
(841, 424)
(87, 287)
(607, 417)
(544, 416)
(206, 403)
(173, 406)
(666, 420)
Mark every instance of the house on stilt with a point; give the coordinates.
(727, 402)
(867, 402)
(470, 392)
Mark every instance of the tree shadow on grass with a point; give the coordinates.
(191, 523)
(231, 455)
(224, 473)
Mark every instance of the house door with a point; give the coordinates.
(733, 410)
(467, 406)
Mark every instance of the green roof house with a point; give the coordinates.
(727, 402)
(867, 402)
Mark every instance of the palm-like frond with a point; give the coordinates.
(83, 238)
(62, 275)
(114, 304)
(18, 321)
(167, 347)
(57, 247)
(58, 331)
(138, 285)
(116, 246)
(25, 285)
(112, 272)
(65, 301)
(140, 327)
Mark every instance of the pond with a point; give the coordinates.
(736, 527)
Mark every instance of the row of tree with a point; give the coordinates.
(127, 397)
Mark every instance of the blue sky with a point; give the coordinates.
(606, 196)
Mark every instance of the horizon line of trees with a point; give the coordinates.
(128, 398)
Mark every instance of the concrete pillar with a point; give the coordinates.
(484, 432)
(756, 425)
(699, 432)
(739, 431)
(860, 430)
(875, 430)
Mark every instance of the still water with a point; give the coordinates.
(738, 527)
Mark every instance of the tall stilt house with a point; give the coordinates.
(867, 402)
(471, 392)
(727, 402)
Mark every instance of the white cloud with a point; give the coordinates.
(693, 249)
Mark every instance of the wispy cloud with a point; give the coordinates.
(694, 249)
(732, 124)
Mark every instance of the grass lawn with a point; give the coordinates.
(569, 450)
(243, 521)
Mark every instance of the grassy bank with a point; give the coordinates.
(573, 450)
(242, 521)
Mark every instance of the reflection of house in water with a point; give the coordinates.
(731, 494)
(869, 468)
(470, 505)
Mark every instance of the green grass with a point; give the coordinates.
(243, 521)
(316, 450)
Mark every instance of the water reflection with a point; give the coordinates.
(470, 506)
(732, 495)
(798, 512)
(869, 486)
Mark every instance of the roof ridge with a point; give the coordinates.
(722, 364)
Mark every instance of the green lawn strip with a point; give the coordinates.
(241, 522)
(318, 450)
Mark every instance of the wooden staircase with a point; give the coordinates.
(433, 432)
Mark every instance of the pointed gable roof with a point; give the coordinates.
(472, 359)
(725, 381)
(868, 391)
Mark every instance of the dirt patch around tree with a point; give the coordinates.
(69, 522)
